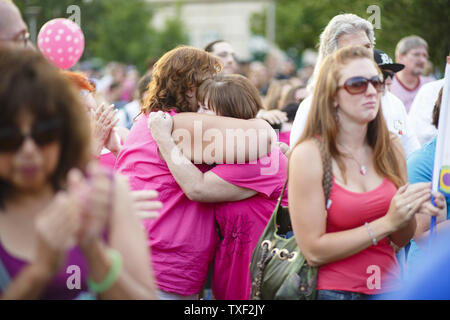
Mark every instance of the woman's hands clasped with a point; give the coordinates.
(81, 214)
(103, 122)
(412, 199)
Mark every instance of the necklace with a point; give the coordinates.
(362, 167)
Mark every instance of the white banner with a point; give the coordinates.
(441, 170)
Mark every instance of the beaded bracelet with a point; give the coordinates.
(372, 236)
(111, 277)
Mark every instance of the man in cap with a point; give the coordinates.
(394, 111)
(387, 66)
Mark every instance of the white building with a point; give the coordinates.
(210, 20)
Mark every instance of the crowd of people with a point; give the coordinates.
(115, 185)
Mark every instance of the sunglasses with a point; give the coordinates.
(387, 74)
(357, 85)
(11, 139)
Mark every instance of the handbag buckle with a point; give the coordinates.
(275, 251)
(292, 256)
(283, 254)
(266, 244)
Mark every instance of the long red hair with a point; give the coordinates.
(322, 118)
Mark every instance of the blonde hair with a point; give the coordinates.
(322, 119)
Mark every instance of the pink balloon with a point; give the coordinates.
(61, 41)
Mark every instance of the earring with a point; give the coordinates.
(335, 114)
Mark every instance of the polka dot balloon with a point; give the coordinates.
(61, 41)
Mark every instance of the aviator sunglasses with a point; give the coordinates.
(357, 85)
(387, 74)
(43, 133)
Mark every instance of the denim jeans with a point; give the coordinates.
(341, 295)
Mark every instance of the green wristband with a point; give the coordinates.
(111, 277)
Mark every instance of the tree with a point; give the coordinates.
(299, 23)
(171, 35)
(122, 32)
(114, 30)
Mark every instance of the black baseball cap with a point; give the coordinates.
(385, 62)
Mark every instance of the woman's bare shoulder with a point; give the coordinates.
(305, 159)
(306, 149)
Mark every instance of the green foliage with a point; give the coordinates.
(115, 30)
(172, 35)
(122, 32)
(299, 23)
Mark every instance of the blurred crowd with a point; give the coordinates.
(94, 180)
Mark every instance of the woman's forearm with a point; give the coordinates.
(185, 173)
(125, 286)
(212, 139)
(336, 246)
(29, 284)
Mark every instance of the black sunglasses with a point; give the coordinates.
(387, 74)
(43, 133)
(357, 85)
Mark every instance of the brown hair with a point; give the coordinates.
(437, 109)
(274, 93)
(230, 95)
(143, 85)
(322, 119)
(290, 96)
(210, 46)
(176, 72)
(29, 83)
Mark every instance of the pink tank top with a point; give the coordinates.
(373, 270)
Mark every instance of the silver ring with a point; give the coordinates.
(408, 206)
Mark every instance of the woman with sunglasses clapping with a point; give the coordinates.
(370, 209)
(66, 227)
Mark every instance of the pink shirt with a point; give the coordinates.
(107, 160)
(370, 271)
(284, 136)
(241, 223)
(403, 93)
(183, 239)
